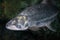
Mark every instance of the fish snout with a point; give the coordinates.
(18, 23)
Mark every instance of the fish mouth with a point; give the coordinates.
(13, 27)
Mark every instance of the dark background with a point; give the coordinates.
(10, 8)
